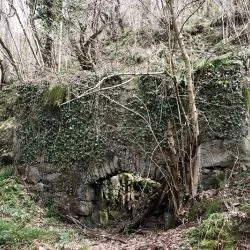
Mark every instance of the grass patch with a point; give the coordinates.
(217, 228)
(245, 208)
(205, 208)
(6, 172)
(14, 234)
(15, 203)
(51, 211)
(17, 212)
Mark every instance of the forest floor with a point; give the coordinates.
(26, 225)
(142, 239)
(212, 223)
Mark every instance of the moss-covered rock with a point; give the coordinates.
(104, 217)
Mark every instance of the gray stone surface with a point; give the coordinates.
(216, 153)
(51, 178)
(84, 208)
(86, 193)
(32, 175)
(95, 218)
(39, 187)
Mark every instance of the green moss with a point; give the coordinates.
(217, 227)
(208, 244)
(206, 208)
(104, 217)
(146, 183)
(114, 215)
(246, 97)
(55, 95)
(214, 64)
(214, 244)
(6, 172)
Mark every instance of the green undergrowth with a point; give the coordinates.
(245, 208)
(16, 235)
(23, 224)
(17, 210)
(212, 231)
(15, 203)
(223, 220)
(206, 208)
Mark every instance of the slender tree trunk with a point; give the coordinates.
(48, 46)
(193, 151)
(25, 34)
(11, 59)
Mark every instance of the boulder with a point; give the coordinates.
(95, 218)
(104, 218)
(100, 218)
(39, 187)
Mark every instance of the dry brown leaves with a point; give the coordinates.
(144, 240)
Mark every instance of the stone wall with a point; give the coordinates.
(66, 152)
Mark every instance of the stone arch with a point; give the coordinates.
(127, 161)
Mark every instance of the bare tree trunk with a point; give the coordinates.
(48, 46)
(11, 59)
(25, 33)
(60, 40)
(194, 163)
(85, 52)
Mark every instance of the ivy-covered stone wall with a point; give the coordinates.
(88, 130)
(68, 146)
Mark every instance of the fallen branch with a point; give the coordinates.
(139, 220)
(97, 88)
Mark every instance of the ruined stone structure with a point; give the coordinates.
(66, 153)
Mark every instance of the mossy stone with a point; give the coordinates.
(104, 217)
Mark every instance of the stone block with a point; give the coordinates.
(84, 208)
(86, 193)
(32, 175)
(51, 178)
(104, 218)
(216, 153)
